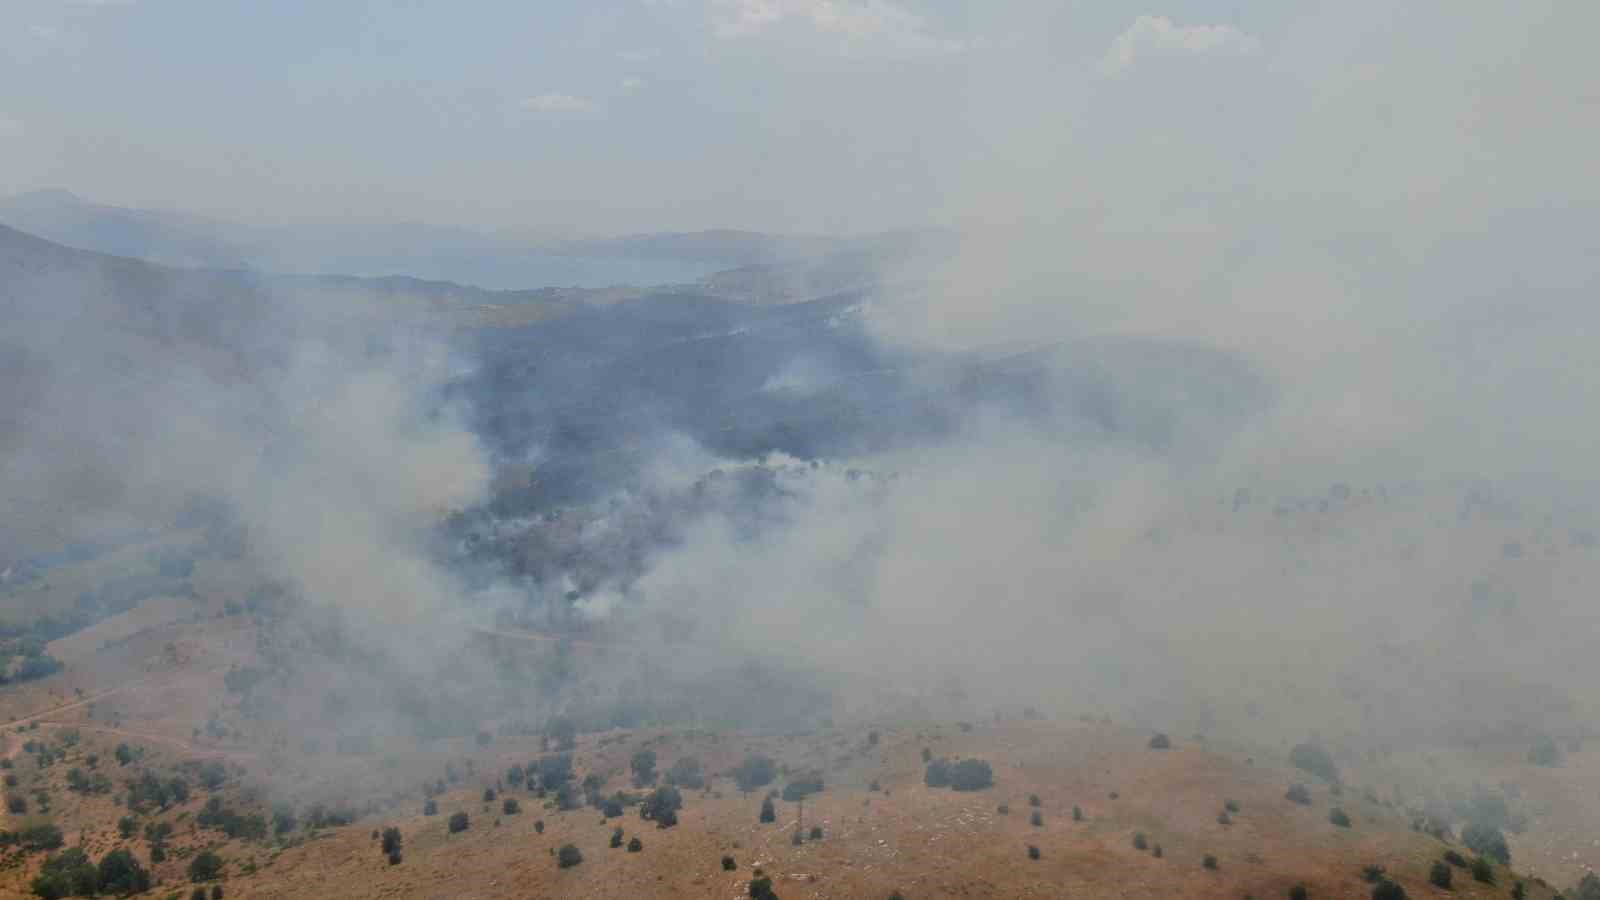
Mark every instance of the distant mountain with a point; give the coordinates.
(505, 261)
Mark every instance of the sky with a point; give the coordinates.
(834, 116)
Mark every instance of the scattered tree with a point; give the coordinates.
(768, 812)
(459, 822)
(1338, 817)
(635, 845)
(1440, 875)
(568, 856)
(1160, 742)
(1033, 852)
(205, 867)
(728, 865)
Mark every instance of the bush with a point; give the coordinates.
(1033, 800)
(511, 807)
(616, 837)
(1487, 841)
(644, 767)
(1156, 851)
(1440, 875)
(1160, 742)
(459, 822)
(971, 775)
(1209, 862)
(538, 827)
(430, 808)
(1036, 820)
(755, 772)
(1230, 806)
(768, 812)
(1545, 752)
(761, 889)
(1298, 793)
(1338, 817)
(1482, 871)
(728, 865)
(686, 773)
(395, 858)
(816, 832)
(1003, 809)
(1224, 819)
(66, 874)
(1314, 759)
(1077, 813)
(488, 795)
(635, 845)
(1140, 842)
(1455, 859)
(1299, 892)
(1388, 890)
(205, 867)
(800, 788)
(1033, 852)
(568, 856)
(1373, 874)
(937, 774)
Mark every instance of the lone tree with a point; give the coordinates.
(391, 840)
(1338, 817)
(761, 889)
(568, 856)
(769, 813)
(1440, 875)
(644, 768)
(728, 865)
(662, 806)
(1160, 742)
(459, 822)
(755, 772)
(616, 837)
(1388, 890)
(635, 845)
(971, 775)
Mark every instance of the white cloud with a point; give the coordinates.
(631, 83)
(638, 56)
(1160, 36)
(557, 103)
(9, 125)
(889, 25)
(44, 32)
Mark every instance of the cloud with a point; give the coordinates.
(639, 56)
(631, 83)
(882, 23)
(9, 125)
(44, 32)
(557, 103)
(1160, 36)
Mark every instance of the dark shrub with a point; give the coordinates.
(1314, 759)
(1033, 800)
(1455, 859)
(768, 812)
(1036, 820)
(1482, 871)
(1224, 819)
(937, 774)
(66, 874)
(205, 867)
(686, 773)
(1156, 851)
(761, 889)
(488, 795)
(1160, 742)
(1033, 852)
(1140, 842)
(754, 772)
(616, 837)
(391, 840)
(728, 865)
(1388, 890)
(644, 767)
(510, 806)
(1440, 875)
(1298, 793)
(971, 775)
(800, 788)
(1077, 813)
(1230, 806)
(430, 808)
(635, 845)
(1338, 817)
(1487, 841)
(538, 827)
(816, 832)
(1003, 809)
(568, 856)
(1209, 862)
(459, 822)
(1299, 892)
(1373, 874)
(872, 739)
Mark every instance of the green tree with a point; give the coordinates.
(205, 867)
